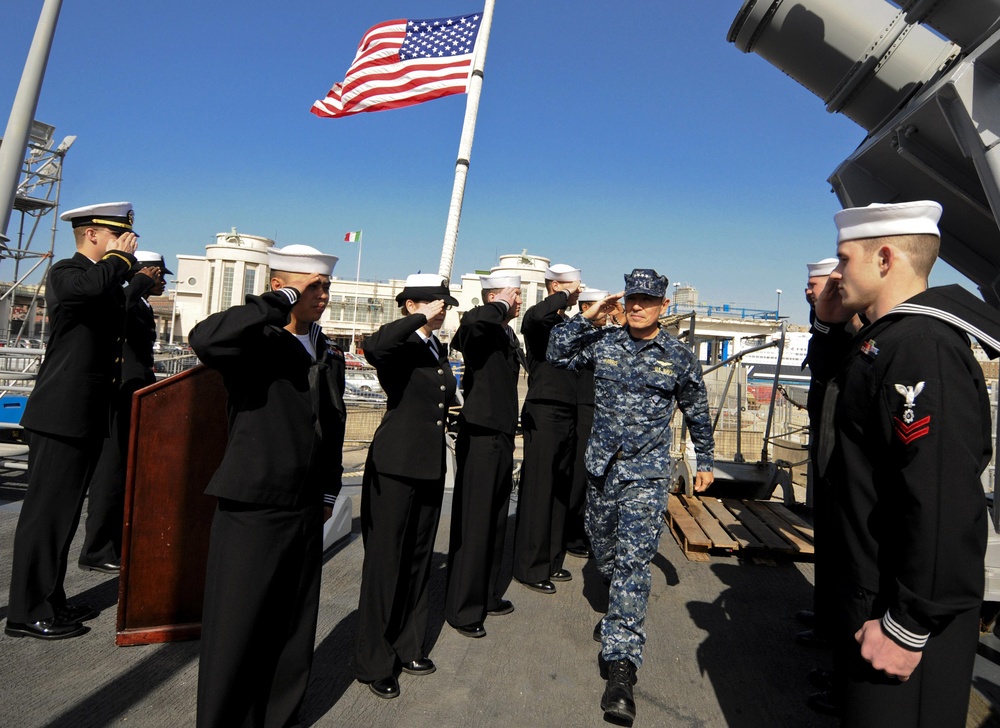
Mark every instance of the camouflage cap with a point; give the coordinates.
(646, 281)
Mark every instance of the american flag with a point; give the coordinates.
(405, 62)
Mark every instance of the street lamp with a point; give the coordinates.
(173, 313)
(777, 308)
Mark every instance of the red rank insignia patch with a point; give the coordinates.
(908, 433)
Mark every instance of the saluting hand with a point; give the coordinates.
(829, 307)
(153, 272)
(508, 296)
(430, 309)
(606, 305)
(126, 242)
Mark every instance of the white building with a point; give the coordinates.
(236, 265)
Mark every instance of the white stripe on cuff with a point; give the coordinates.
(291, 294)
(902, 635)
(821, 327)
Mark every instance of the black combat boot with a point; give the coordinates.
(617, 702)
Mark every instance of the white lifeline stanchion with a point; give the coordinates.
(465, 145)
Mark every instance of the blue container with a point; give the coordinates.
(11, 408)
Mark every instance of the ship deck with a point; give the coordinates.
(720, 652)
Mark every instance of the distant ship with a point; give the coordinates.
(761, 364)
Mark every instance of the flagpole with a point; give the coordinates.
(357, 292)
(22, 113)
(465, 145)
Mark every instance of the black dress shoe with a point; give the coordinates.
(544, 587)
(806, 617)
(75, 613)
(46, 629)
(387, 687)
(472, 630)
(814, 639)
(504, 607)
(110, 567)
(561, 575)
(423, 666)
(580, 553)
(820, 679)
(827, 702)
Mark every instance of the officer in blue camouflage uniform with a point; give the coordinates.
(640, 373)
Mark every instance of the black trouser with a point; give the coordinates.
(937, 693)
(259, 619)
(575, 535)
(59, 469)
(546, 480)
(478, 523)
(399, 521)
(102, 542)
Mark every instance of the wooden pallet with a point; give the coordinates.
(703, 526)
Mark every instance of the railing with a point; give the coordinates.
(18, 367)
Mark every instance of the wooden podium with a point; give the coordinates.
(177, 439)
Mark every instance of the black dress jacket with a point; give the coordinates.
(545, 381)
(81, 371)
(905, 437)
(491, 368)
(420, 387)
(286, 411)
(140, 335)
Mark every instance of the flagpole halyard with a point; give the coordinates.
(465, 145)
(357, 291)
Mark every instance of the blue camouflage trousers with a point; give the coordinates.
(624, 521)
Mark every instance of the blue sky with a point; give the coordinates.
(610, 136)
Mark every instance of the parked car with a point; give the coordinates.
(353, 361)
(355, 395)
(364, 379)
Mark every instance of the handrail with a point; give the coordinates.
(738, 357)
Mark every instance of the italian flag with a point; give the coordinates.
(353, 237)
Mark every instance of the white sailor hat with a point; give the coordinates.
(493, 281)
(300, 259)
(426, 287)
(562, 272)
(822, 268)
(878, 220)
(593, 294)
(146, 258)
(117, 216)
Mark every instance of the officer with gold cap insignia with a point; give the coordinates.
(68, 414)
